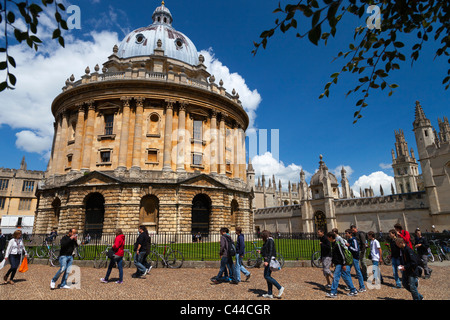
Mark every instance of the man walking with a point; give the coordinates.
(361, 237)
(240, 250)
(422, 247)
(142, 248)
(68, 244)
(325, 256)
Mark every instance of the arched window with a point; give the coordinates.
(234, 212)
(201, 210)
(95, 213)
(154, 125)
(149, 212)
(320, 221)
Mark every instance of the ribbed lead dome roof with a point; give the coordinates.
(142, 41)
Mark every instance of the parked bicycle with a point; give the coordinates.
(439, 251)
(101, 259)
(44, 250)
(387, 255)
(316, 259)
(254, 259)
(169, 258)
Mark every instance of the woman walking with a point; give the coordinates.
(14, 253)
(118, 248)
(268, 252)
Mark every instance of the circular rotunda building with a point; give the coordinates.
(148, 139)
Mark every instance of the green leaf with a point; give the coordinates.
(12, 79)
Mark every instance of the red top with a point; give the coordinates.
(405, 235)
(119, 244)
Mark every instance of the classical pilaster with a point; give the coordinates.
(181, 139)
(137, 143)
(222, 151)
(124, 132)
(63, 142)
(88, 137)
(76, 160)
(236, 152)
(213, 143)
(167, 156)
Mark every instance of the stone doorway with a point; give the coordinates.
(201, 211)
(95, 214)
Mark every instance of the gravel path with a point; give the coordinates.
(301, 283)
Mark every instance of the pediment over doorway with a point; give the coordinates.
(95, 178)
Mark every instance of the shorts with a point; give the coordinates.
(326, 263)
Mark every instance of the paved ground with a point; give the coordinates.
(301, 283)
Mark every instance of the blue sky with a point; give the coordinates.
(282, 82)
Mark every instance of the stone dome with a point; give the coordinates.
(159, 35)
(317, 178)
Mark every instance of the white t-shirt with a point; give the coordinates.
(375, 250)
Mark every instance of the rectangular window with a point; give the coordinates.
(109, 124)
(4, 184)
(105, 156)
(28, 186)
(69, 161)
(2, 203)
(24, 204)
(197, 159)
(152, 156)
(198, 130)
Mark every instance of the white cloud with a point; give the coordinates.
(250, 98)
(266, 164)
(385, 166)
(374, 180)
(40, 77)
(337, 171)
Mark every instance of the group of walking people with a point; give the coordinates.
(406, 264)
(231, 272)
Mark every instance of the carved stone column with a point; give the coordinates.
(235, 152)
(167, 156)
(213, 143)
(137, 143)
(76, 160)
(181, 143)
(124, 132)
(222, 151)
(88, 137)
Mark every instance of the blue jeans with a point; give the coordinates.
(65, 263)
(410, 283)
(395, 264)
(226, 267)
(377, 272)
(240, 268)
(119, 261)
(338, 271)
(358, 273)
(270, 281)
(140, 262)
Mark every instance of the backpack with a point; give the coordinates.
(348, 257)
(231, 247)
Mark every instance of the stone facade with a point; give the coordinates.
(420, 200)
(150, 140)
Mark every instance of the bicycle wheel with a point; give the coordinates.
(81, 252)
(280, 259)
(127, 259)
(430, 257)
(316, 260)
(41, 252)
(31, 254)
(387, 258)
(250, 259)
(54, 258)
(101, 260)
(174, 259)
(152, 259)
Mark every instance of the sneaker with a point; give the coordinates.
(103, 280)
(119, 282)
(331, 295)
(270, 296)
(248, 277)
(52, 285)
(65, 287)
(280, 292)
(353, 293)
(362, 290)
(347, 289)
(234, 282)
(328, 286)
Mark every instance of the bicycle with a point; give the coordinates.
(387, 255)
(170, 258)
(43, 251)
(101, 259)
(316, 259)
(253, 258)
(439, 251)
